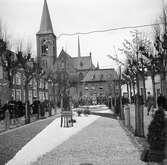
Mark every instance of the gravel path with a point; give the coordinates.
(11, 142)
(102, 143)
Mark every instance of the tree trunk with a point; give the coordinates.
(163, 84)
(120, 97)
(153, 84)
(130, 86)
(133, 84)
(127, 86)
(27, 110)
(144, 88)
(37, 88)
(114, 94)
(39, 110)
(139, 123)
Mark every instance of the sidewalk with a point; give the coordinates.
(19, 122)
(93, 139)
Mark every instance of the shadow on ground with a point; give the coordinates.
(109, 115)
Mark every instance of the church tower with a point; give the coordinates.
(46, 40)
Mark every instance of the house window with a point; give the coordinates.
(34, 84)
(1, 72)
(18, 94)
(13, 80)
(41, 84)
(30, 96)
(41, 96)
(46, 95)
(18, 79)
(62, 65)
(46, 85)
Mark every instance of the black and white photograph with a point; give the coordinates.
(83, 82)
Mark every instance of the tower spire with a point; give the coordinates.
(79, 51)
(97, 65)
(164, 15)
(46, 24)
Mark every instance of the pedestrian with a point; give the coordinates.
(149, 102)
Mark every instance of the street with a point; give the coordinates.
(95, 139)
(11, 142)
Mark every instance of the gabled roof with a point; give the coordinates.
(66, 58)
(46, 24)
(100, 75)
(83, 63)
(63, 54)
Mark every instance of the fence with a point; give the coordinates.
(131, 118)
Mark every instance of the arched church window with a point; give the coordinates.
(62, 65)
(44, 48)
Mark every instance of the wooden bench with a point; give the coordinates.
(66, 116)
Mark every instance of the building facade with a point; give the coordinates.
(78, 68)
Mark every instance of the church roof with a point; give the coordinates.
(63, 54)
(100, 75)
(83, 63)
(46, 24)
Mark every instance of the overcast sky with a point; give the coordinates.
(22, 19)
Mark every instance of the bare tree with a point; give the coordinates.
(132, 49)
(31, 69)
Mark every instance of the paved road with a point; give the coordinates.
(11, 142)
(104, 142)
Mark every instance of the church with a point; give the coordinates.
(87, 77)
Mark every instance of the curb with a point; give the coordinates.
(22, 126)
